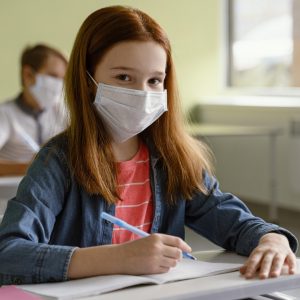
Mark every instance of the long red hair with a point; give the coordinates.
(91, 158)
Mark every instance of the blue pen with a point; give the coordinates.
(133, 229)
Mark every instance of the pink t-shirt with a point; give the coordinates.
(136, 205)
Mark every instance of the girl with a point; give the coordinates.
(125, 152)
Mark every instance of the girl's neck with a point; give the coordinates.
(127, 150)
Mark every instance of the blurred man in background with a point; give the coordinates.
(36, 114)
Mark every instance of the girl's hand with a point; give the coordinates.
(156, 253)
(272, 254)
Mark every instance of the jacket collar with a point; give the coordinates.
(26, 108)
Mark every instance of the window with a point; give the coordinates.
(263, 44)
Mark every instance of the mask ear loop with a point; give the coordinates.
(92, 77)
(92, 94)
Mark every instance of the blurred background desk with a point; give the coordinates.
(204, 131)
(8, 189)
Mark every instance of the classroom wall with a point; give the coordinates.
(192, 26)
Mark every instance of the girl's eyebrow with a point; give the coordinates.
(122, 68)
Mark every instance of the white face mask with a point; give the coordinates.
(127, 112)
(47, 90)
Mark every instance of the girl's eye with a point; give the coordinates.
(155, 81)
(123, 77)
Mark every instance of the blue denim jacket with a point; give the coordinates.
(52, 214)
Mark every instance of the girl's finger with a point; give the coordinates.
(277, 265)
(172, 252)
(266, 264)
(167, 262)
(175, 242)
(252, 264)
(292, 263)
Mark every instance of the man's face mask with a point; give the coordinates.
(47, 90)
(127, 112)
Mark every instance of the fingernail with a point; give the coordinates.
(274, 274)
(263, 276)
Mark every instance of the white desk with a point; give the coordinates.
(220, 287)
(211, 130)
(228, 286)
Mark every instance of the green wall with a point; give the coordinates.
(193, 27)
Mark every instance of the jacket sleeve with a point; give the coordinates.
(25, 255)
(225, 220)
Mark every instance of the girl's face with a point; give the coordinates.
(133, 65)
